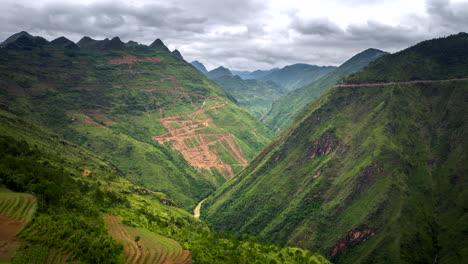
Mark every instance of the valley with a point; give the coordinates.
(120, 152)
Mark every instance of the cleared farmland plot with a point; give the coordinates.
(142, 246)
(16, 210)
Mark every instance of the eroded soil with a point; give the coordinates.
(185, 135)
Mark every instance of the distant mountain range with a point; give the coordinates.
(256, 91)
(366, 173)
(287, 107)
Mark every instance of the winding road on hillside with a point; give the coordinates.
(394, 83)
(202, 150)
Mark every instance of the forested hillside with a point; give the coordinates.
(123, 102)
(285, 109)
(365, 174)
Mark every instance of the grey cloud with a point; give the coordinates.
(103, 19)
(316, 26)
(196, 29)
(445, 15)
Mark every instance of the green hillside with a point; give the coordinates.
(443, 58)
(77, 193)
(218, 72)
(253, 95)
(369, 174)
(109, 97)
(294, 76)
(287, 107)
(199, 66)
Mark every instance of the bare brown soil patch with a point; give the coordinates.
(352, 239)
(182, 129)
(16, 210)
(89, 121)
(131, 59)
(9, 227)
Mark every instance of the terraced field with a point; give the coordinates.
(142, 246)
(200, 149)
(16, 210)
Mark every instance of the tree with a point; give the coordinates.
(137, 238)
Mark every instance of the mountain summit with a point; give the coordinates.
(218, 72)
(159, 45)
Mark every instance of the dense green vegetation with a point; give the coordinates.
(256, 91)
(253, 95)
(218, 72)
(287, 107)
(443, 58)
(199, 66)
(257, 74)
(76, 127)
(71, 206)
(294, 76)
(363, 174)
(94, 95)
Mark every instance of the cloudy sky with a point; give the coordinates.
(244, 34)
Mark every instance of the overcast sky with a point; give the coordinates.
(244, 34)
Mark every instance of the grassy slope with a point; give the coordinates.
(287, 107)
(295, 76)
(364, 174)
(90, 102)
(253, 95)
(71, 207)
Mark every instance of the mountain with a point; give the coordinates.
(366, 173)
(297, 75)
(218, 72)
(23, 40)
(62, 203)
(287, 107)
(257, 95)
(65, 43)
(199, 66)
(257, 75)
(162, 123)
(159, 45)
(253, 95)
(89, 135)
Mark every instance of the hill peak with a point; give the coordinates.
(115, 44)
(177, 54)
(64, 42)
(159, 45)
(23, 40)
(199, 66)
(218, 72)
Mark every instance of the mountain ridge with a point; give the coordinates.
(365, 174)
(286, 108)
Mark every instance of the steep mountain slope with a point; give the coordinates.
(83, 203)
(114, 100)
(199, 66)
(365, 174)
(253, 95)
(297, 75)
(287, 107)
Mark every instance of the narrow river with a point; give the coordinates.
(196, 211)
